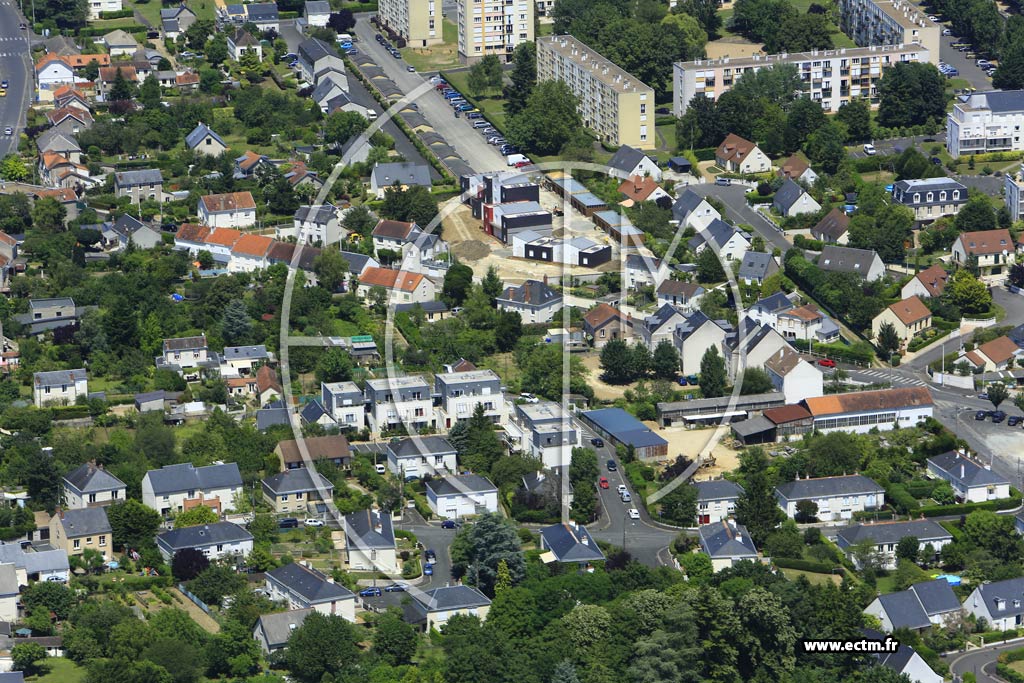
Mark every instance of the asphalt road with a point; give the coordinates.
(734, 198)
(457, 132)
(981, 662)
(956, 59)
(15, 65)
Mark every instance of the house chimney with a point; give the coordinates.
(545, 279)
(584, 540)
(961, 470)
(59, 512)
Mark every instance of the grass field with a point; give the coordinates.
(436, 57)
(491, 105)
(60, 670)
(815, 579)
(204, 9)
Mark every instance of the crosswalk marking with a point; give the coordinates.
(897, 379)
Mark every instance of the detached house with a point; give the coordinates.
(315, 55)
(993, 355)
(75, 531)
(120, 43)
(433, 608)
(230, 210)
(140, 185)
(176, 488)
(923, 605)
(835, 497)
(370, 542)
(417, 456)
(302, 587)
(187, 353)
(693, 211)
(797, 167)
(793, 376)
(629, 161)
(972, 482)
(909, 318)
(737, 155)
(792, 200)
(756, 266)
(929, 283)
(89, 485)
(47, 314)
(456, 496)
(993, 249)
(202, 140)
(660, 325)
(603, 322)
(403, 174)
(176, 20)
(408, 240)
(272, 631)
(726, 543)
(887, 535)
(999, 603)
(863, 263)
(59, 387)
(730, 243)
(533, 300)
(462, 392)
(645, 271)
(694, 336)
(569, 543)
(343, 401)
(638, 189)
(716, 499)
(240, 42)
(401, 286)
(683, 296)
(930, 198)
(333, 449)
(833, 228)
(806, 322)
(298, 490)
(399, 402)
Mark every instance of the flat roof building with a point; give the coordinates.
(417, 22)
(889, 22)
(492, 27)
(613, 103)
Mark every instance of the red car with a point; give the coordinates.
(827, 363)
(521, 164)
(603, 482)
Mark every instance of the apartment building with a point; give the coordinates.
(614, 104)
(492, 27)
(418, 22)
(462, 392)
(399, 402)
(930, 198)
(831, 77)
(986, 122)
(889, 22)
(1013, 183)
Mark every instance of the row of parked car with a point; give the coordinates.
(997, 417)
(462, 106)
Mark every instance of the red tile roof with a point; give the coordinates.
(398, 230)
(225, 237)
(910, 311)
(231, 201)
(252, 245)
(638, 189)
(933, 279)
(192, 232)
(734, 148)
(986, 242)
(391, 279)
(79, 61)
(109, 73)
(863, 401)
(999, 350)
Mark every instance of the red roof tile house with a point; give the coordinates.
(994, 250)
(737, 155)
(638, 189)
(249, 253)
(929, 283)
(230, 210)
(993, 355)
(909, 318)
(602, 323)
(402, 286)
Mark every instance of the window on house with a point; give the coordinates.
(103, 541)
(76, 544)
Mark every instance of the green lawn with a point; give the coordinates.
(493, 106)
(793, 574)
(60, 670)
(436, 57)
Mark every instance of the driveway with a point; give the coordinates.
(15, 65)
(457, 132)
(734, 198)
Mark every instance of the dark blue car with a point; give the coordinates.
(449, 524)
(428, 570)
(371, 592)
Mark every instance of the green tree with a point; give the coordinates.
(976, 214)
(908, 548)
(801, 33)
(331, 269)
(149, 93)
(615, 362)
(52, 597)
(13, 168)
(709, 268)
(342, 126)
(549, 120)
(997, 393)
(476, 81)
(216, 582)
(756, 508)
(492, 284)
(806, 511)
(48, 215)
(911, 94)
(235, 323)
(121, 90)
(132, 524)
(856, 116)
(522, 78)
(1009, 74)
(197, 516)
(665, 361)
(322, 645)
(457, 282)
(888, 341)
(188, 563)
(508, 328)
(334, 365)
(968, 293)
(476, 441)
(393, 639)
(825, 146)
(767, 637)
(66, 14)
(679, 506)
(705, 12)
(756, 381)
(478, 548)
(565, 672)
(26, 657)
(713, 376)
(359, 220)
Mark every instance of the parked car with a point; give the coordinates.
(634, 513)
(981, 415)
(983, 396)
(449, 524)
(371, 592)
(603, 482)
(288, 523)
(475, 115)
(395, 588)
(723, 181)
(429, 555)
(480, 124)
(620, 489)
(313, 522)
(411, 69)
(523, 164)
(428, 570)
(529, 398)
(597, 442)
(827, 363)
(998, 416)
(381, 469)
(626, 498)
(870, 150)
(611, 465)
(1014, 420)
(8, 131)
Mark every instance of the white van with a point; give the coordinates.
(371, 114)
(514, 159)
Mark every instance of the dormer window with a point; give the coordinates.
(956, 194)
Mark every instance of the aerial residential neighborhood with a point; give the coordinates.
(565, 341)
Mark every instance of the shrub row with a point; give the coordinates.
(900, 499)
(875, 163)
(706, 154)
(859, 352)
(990, 156)
(1008, 674)
(803, 242)
(1012, 656)
(755, 198)
(967, 508)
(803, 565)
(122, 14)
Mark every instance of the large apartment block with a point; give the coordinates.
(986, 122)
(417, 21)
(831, 77)
(889, 22)
(492, 27)
(614, 104)
(1014, 185)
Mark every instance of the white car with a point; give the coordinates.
(870, 150)
(634, 513)
(529, 398)
(381, 469)
(620, 489)
(314, 522)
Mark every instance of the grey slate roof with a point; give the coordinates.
(310, 584)
(314, 49)
(775, 303)
(321, 215)
(531, 293)
(571, 543)
(53, 378)
(88, 478)
(726, 540)
(626, 158)
(277, 628)
(907, 188)
(655, 321)
(460, 484)
(905, 610)
(936, 596)
(53, 139)
(1004, 101)
(361, 530)
(1008, 590)
(269, 417)
(206, 534)
(687, 202)
(427, 306)
(787, 195)
(199, 133)
(834, 225)
(403, 172)
(84, 522)
(8, 580)
(318, 7)
(356, 262)
(756, 265)
(142, 176)
(717, 233)
(33, 562)
(823, 487)
(717, 489)
(252, 352)
(925, 530)
(846, 260)
(298, 480)
(263, 11)
(974, 474)
(312, 411)
(450, 598)
(414, 446)
(186, 477)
